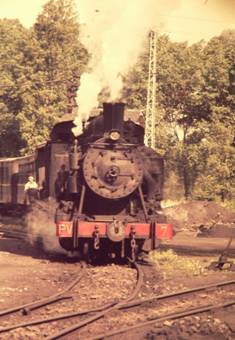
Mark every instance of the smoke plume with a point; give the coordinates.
(41, 227)
(113, 32)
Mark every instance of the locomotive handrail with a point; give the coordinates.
(94, 144)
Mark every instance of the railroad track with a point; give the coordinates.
(101, 311)
(13, 233)
(129, 303)
(27, 308)
(159, 319)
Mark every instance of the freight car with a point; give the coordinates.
(108, 187)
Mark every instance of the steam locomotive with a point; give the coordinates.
(107, 184)
(109, 195)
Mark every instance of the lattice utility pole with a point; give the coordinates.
(150, 117)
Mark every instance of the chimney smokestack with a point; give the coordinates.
(113, 116)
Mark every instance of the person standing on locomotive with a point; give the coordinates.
(31, 190)
(61, 182)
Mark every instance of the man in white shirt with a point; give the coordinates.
(31, 190)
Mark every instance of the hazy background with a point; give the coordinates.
(192, 20)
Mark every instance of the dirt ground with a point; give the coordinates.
(25, 270)
(195, 214)
(27, 273)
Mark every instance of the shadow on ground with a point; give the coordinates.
(24, 248)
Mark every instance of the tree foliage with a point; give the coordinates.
(37, 65)
(13, 51)
(195, 111)
(60, 60)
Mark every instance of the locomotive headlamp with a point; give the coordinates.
(114, 135)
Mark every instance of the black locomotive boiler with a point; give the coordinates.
(109, 188)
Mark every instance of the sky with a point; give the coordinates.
(193, 20)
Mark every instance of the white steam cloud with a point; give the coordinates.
(113, 32)
(41, 226)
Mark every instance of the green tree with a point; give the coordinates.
(37, 68)
(60, 60)
(217, 175)
(14, 40)
(194, 96)
(217, 179)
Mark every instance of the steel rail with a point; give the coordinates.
(99, 315)
(171, 316)
(124, 305)
(26, 308)
(54, 318)
(178, 293)
(18, 234)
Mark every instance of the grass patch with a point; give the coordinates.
(171, 263)
(229, 205)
